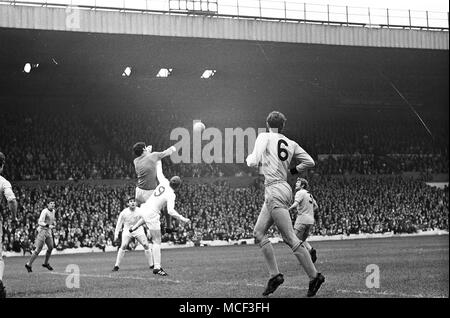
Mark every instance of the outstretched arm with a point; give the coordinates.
(172, 212)
(159, 172)
(166, 152)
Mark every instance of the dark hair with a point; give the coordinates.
(276, 120)
(303, 182)
(130, 198)
(175, 182)
(138, 148)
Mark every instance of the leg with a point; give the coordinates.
(49, 243)
(283, 222)
(156, 235)
(121, 252)
(263, 223)
(142, 239)
(39, 243)
(302, 232)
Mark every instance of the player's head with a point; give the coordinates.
(275, 121)
(301, 183)
(175, 182)
(131, 202)
(2, 161)
(138, 148)
(50, 203)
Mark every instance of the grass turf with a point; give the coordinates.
(409, 267)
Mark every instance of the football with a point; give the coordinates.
(199, 126)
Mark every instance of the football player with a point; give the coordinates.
(164, 195)
(46, 224)
(274, 152)
(127, 218)
(306, 207)
(7, 192)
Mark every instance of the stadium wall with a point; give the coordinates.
(84, 250)
(80, 20)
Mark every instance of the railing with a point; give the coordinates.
(287, 11)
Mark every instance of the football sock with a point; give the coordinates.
(32, 258)
(2, 267)
(47, 256)
(269, 256)
(157, 255)
(149, 256)
(304, 258)
(120, 255)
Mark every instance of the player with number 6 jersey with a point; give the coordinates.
(274, 152)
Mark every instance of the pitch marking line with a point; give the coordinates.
(168, 280)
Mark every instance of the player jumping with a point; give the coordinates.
(163, 195)
(127, 218)
(306, 207)
(274, 152)
(7, 192)
(46, 224)
(145, 166)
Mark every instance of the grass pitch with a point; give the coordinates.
(409, 267)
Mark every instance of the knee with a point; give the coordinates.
(292, 241)
(258, 235)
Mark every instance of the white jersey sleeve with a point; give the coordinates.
(255, 157)
(6, 189)
(306, 161)
(119, 224)
(299, 197)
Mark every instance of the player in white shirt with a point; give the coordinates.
(163, 195)
(274, 152)
(7, 192)
(306, 207)
(127, 218)
(46, 224)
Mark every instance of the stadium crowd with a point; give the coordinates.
(97, 145)
(86, 214)
(357, 178)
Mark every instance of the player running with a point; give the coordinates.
(163, 195)
(46, 224)
(145, 167)
(306, 207)
(127, 218)
(274, 152)
(7, 192)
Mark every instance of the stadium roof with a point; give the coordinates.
(86, 68)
